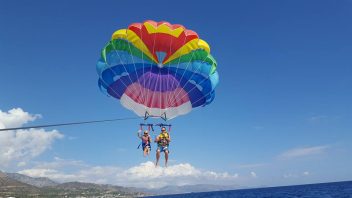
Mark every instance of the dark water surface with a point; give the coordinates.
(323, 190)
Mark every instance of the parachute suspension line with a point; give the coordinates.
(163, 104)
(116, 92)
(194, 88)
(176, 95)
(198, 69)
(150, 73)
(71, 123)
(144, 99)
(116, 51)
(109, 66)
(107, 84)
(206, 78)
(134, 65)
(124, 66)
(157, 78)
(166, 84)
(163, 116)
(155, 90)
(179, 59)
(168, 74)
(113, 89)
(161, 94)
(203, 97)
(146, 115)
(156, 82)
(160, 91)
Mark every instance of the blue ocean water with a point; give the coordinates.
(323, 190)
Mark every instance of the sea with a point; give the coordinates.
(322, 190)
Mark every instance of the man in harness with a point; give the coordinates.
(163, 140)
(146, 140)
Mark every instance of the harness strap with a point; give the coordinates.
(150, 146)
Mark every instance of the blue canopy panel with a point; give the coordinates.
(115, 81)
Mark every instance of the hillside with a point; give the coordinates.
(10, 187)
(38, 181)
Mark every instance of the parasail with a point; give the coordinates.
(157, 69)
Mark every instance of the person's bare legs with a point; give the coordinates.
(166, 157)
(148, 151)
(145, 151)
(157, 158)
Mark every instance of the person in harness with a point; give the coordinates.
(146, 140)
(163, 140)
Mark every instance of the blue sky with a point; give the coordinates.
(282, 110)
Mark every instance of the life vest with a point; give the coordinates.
(163, 139)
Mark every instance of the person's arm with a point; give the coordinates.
(156, 139)
(169, 138)
(150, 139)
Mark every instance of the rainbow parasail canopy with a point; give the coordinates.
(158, 69)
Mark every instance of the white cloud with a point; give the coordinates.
(15, 118)
(253, 174)
(20, 164)
(23, 145)
(59, 163)
(20, 146)
(306, 173)
(142, 175)
(295, 175)
(304, 151)
(51, 173)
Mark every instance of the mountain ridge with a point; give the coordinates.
(19, 184)
(10, 187)
(34, 181)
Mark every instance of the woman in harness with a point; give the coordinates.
(163, 140)
(146, 140)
